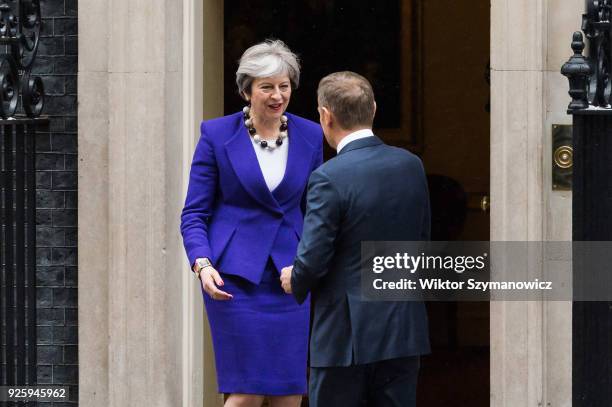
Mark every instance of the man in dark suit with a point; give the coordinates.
(361, 352)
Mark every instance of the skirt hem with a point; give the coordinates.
(263, 389)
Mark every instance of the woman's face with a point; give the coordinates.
(269, 97)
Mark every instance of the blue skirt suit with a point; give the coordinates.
(260, 336)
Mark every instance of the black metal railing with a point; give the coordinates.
(20, 28)
(590, 77)
(591, 92)
(18, 251)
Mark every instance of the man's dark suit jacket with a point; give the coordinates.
(369, 192)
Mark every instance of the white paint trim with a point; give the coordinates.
(193, 318)
(209, 88)
(524, 371)
(521, 333)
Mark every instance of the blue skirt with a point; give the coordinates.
(260, 337)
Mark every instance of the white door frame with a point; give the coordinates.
(520, 347)
(147, 78)
(203, 96)
(531, 345)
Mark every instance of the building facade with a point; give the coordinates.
(56, 200)
(148, 71)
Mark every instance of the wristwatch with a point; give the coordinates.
(200, 264)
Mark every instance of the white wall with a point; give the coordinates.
(530, 341)
(141, 94)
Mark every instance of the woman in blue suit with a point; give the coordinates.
(241, 223)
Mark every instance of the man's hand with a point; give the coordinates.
(285, 278)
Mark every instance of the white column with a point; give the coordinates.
(140, 311)
(93, 111)
(530, 341)
(564, 17)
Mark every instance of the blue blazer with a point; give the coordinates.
(230, 215)
(368, 192)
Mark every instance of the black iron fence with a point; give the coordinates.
(18, 251)
(590, 79)
(20, 27)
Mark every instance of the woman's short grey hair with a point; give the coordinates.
(268, 58)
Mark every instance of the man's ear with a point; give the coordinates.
(374, 114)
(326, 117)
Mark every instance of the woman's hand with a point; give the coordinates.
(210, 279)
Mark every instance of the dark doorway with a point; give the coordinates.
(328, 36)
(456, 132)
(427, 61)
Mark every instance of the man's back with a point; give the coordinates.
(384, 196)
(361, 353)
(369, 192)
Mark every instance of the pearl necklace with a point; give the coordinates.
(248, 122)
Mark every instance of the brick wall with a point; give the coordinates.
(57, 199)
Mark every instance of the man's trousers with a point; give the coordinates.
(387, 383)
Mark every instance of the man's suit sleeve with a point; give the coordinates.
(200, 199)
(321, 224)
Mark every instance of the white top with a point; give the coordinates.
(356, 135)
(272, 162)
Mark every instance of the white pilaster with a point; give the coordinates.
(530, 341)
(140, 311)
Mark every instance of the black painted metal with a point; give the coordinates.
(20, 253)
(592, 202)
(31, 250)
(577, 70)
(20, 29)
(18, 250)
(596, 27)
(3, 186)
(591, 91)
(3, 182)
(8, 270)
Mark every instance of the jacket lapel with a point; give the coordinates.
(299, 160)
(240, 152)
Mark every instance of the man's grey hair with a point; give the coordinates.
(349, 97)
(268, 58)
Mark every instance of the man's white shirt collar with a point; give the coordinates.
(354, 136)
